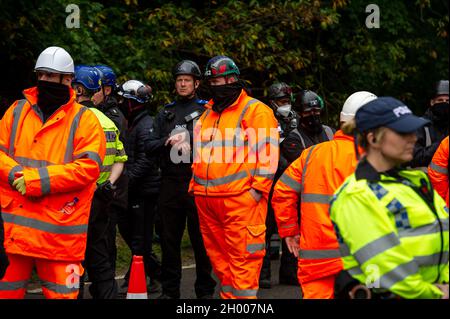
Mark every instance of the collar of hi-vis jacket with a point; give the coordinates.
(365, 170)
(235, 104)
(31, 96)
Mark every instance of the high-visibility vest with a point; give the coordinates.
(392, 236)
(60, 160)
(438, 170)
(115, 152)
(311, 180)
(228, 158)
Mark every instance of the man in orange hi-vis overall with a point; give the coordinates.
(51, 150)
(438, 170)
(311, 180)
(235, 159)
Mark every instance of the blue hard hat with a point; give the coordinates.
(107, 74)
(87, 76)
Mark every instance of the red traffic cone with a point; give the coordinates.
(137, 285)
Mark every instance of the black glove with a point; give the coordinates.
(4, 262)
(106, 191)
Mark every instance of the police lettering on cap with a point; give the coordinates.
(389, 112)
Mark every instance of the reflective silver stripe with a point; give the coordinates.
(92, 155)
(224, 143)
(261, 172)
(289, 181)
(142, 295)
(13, 170)
(227, 289)
(252, 248)
(221, 180)
(16, 117)
(431, 260)
(45, 180)
(245, 292)
(296, 131)
(244, 110)
(38, 112)
(328, 132)
(43, 226)
(302, 184)
(29, 162)
(4, 149)
(398, 274)
(427, 136)
(355, 271)
(121, 152)
(111, 151)
(106, 168)
(344, 249)
(263, 142)
(318, 254)
(424, 230)
(60, 289)
(439, 168)
(13, 285)
(376, 247)
(316, 198)
(73, 129)
(288, 226)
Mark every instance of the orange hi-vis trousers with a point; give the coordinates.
(233, 230)
(60, 279)
(322, 288)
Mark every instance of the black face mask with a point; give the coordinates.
(51, 96)
(312, 123)
(440, 112)
(131, 108)
(225, 95)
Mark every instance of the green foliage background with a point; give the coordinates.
(319, 45)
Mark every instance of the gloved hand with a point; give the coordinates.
(4, 262)
(19, 184)
(106, 191)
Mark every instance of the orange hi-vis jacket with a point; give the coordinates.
(438, 170)
(235, 150)
(60, 161)
(312, 179)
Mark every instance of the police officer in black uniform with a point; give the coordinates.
(106, 101)
(171, 138)
(280, 100)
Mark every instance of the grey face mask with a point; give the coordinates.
(284, 110)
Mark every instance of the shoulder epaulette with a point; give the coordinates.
(170, 104)
(202, 102)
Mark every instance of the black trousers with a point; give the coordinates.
(142, 209)
(98, 260)
(119, 217)
(175, 207)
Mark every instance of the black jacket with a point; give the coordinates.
(292, 146)
(423, 153)
(142, 171)
(111, 109)
(170, 117)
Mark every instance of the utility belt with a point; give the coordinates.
(347, 287)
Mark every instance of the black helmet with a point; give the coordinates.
(187, 67)
(279, 90)
(442, 87)
(308, 100)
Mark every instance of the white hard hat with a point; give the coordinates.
(353, 103)
(55, 60)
